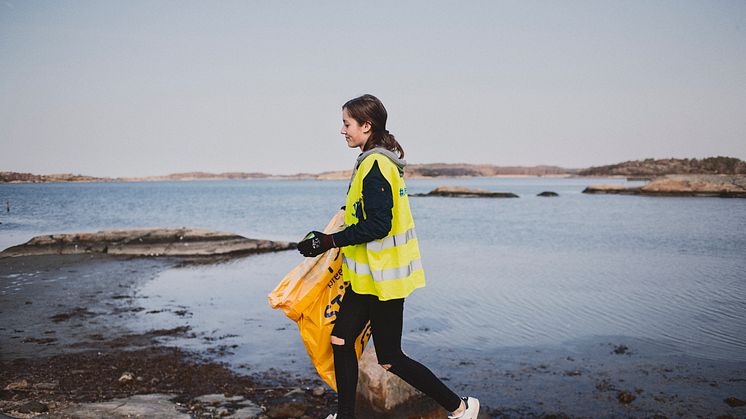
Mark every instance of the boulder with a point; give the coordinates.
(460, 192)
(147, 242)
(381, 390)
(548, 194)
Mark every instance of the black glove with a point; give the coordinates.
(315, 244)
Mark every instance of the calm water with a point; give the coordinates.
(502, 273)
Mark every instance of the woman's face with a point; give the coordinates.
(355, 134)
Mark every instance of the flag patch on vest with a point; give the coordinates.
(402, 191)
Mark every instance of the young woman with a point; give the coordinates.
(380, 259)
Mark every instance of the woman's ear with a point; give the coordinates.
(367, 127)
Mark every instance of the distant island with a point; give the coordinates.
(647, 168)
(414, 171)
(653, 168)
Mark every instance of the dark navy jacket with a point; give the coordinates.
(378, 203)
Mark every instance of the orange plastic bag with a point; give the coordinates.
(310, 295)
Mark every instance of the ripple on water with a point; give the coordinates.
(500, 273)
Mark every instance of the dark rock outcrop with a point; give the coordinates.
(612, 189)
(459, 192)
(548, 194)
(147, 242)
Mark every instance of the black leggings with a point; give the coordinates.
(386, 326)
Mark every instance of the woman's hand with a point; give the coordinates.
(315, 244)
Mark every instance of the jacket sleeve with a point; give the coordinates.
(378, 203)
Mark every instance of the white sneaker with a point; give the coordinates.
(471, 411)
(334, 416)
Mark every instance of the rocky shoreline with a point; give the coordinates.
(156, 381)
(69, 349)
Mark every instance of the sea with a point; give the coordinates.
(506, 275)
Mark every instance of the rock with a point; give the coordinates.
(287, 407)
(249, 412)
(32, 407)
(621, 349)
(215, 399)
(295, 391)
(147, 242)
(382, 390)
(138, 406)
(639, 179)
(126, 378)
(46, 386)
(17, 385)
(73, 313)
(318, 391)
(734, 402)
(612, 189)
(625, 397)
(548, 194)
(460, 192)
(697, 185)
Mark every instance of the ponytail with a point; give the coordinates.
(386, 140)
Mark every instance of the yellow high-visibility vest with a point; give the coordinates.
(390, 267)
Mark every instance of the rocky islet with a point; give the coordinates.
(179, 242)
(724, 186)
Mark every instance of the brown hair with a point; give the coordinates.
(367, 108)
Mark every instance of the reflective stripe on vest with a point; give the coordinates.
(390, 267)
(385, 274)
(392, 241)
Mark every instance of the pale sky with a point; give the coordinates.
(138, 88)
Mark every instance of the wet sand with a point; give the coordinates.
(67, 329)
